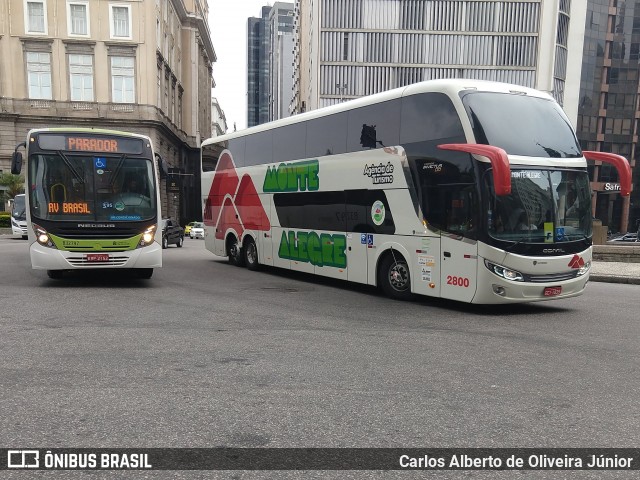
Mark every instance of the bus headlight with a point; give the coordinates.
(42, 237)
(147, 236)
(505, 272)
(584, 269)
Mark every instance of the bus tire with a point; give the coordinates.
(55, 274)
(234, 251)
(144, 273)
(250, 251)
(394, 276)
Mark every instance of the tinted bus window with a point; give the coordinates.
(311, 210)
(236, 147)
(429, 116)
(327, 135)
(289, 143)
(374, 126)
(259, 149)
(521, 125)
(210, 155)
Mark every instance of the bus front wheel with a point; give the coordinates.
(251, 254)
(55, 274)
(145, 273)
(394, 277)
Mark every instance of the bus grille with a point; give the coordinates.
(82, 262)
(101, 248)
(551, 277)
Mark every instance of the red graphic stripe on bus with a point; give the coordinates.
(250, 207)
(225, 182)
(242, 208)
(229, 220)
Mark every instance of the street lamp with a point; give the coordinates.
(341, 88)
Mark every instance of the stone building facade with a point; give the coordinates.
(143, 66)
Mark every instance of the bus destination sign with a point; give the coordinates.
(79, 142)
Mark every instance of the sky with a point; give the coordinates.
(228, 25)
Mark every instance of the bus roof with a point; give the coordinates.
(448, 86)
(99, 131)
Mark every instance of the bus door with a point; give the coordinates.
(459, 262)
(357, 248)
(459, 250)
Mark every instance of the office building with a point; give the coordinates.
(269, 64)
(608, 110)
(258, 68)
(350, 48)
(280, 59)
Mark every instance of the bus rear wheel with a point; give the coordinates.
(394, 277)
(251, 254)
(234, 251)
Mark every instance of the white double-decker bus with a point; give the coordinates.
(468, 190)
(92, 200)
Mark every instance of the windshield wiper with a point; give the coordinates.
(114, 175)
(70, 167)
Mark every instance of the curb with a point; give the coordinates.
(614, 279)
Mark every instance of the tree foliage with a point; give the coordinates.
(14, 185)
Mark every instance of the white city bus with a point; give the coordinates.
(19, 216)
(461, 189)
(92, 200)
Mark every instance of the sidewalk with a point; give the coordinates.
(601, 271)
(615, 272)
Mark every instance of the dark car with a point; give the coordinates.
(172, 232)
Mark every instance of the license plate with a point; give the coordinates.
(97, 257)
(552, 291)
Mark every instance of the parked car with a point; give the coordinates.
(197, 231)
(187, 228)
(627, 237)
(172, 233)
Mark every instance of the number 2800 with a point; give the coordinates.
(457, 281)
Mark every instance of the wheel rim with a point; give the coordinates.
(399, 276)
(252, 254)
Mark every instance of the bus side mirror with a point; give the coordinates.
(16, 163)
(162, 166)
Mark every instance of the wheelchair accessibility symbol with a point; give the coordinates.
(100, 162)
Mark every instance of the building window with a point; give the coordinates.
(78, 18)
(81, 78)
(35, 14)
(122, 79)
(39, 75)
(120, 21)
(159, 85)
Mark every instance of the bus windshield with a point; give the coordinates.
(91, 187)
(18, 210)
(545, 206)
(521, 125)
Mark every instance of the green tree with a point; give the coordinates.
(14, 184)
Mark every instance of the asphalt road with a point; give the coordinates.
(206, 354)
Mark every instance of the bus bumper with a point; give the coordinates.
(44, 258)
(494, 290)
